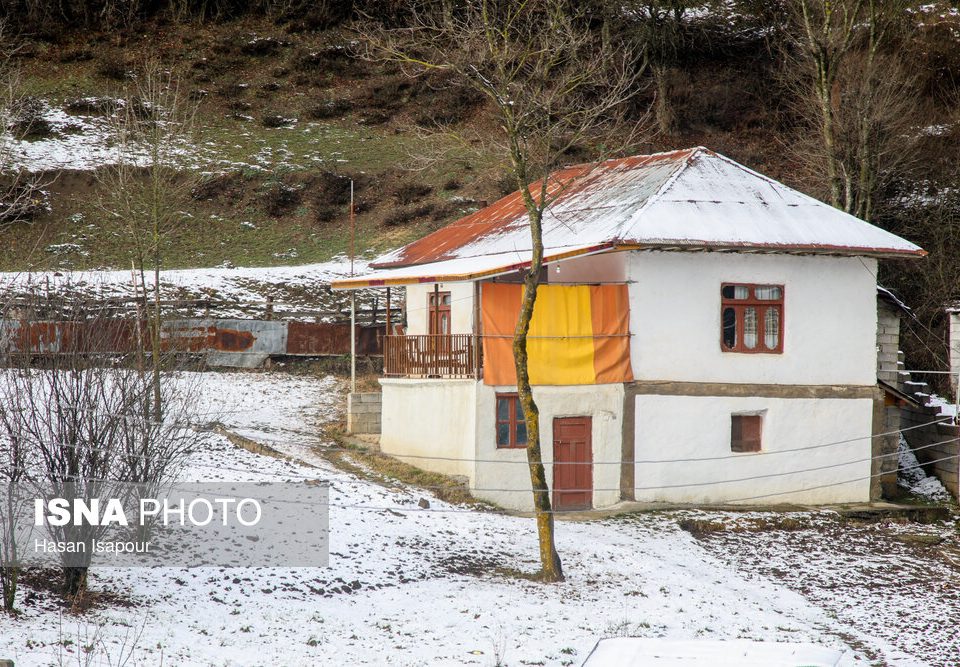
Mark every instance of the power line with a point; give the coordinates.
(597, 463)
(455, 510)
(637, 488)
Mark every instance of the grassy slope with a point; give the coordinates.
(237, 89)
(726, 102)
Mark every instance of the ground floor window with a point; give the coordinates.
(745, 433)
(511, 427)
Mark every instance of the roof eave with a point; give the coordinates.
(361, 283)
(687, 245)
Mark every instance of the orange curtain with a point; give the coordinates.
(579, 334)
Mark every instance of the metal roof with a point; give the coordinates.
(692, 199)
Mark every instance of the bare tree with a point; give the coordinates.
(853, 90)
(553, 86)
(78, 420)
(22, 194)
(658, 28)
(149, 187)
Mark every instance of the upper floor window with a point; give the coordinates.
(751, 318)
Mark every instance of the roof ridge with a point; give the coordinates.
(666, 185)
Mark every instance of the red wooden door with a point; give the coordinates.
(572, 463)
(439, 303)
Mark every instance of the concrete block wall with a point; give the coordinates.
(364, 412)
(939, 458)
(883, 483)
(954, 318)
(888, 343)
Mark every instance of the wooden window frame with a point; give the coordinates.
(743, 445)
(435, 309)
(514, 416)
(762, 305)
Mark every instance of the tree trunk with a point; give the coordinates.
(825, 95)
(666, 118)
(550, 566)
(75, 581)
(10, 577)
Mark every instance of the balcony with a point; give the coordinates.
(442, 356)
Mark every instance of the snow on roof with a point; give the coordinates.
(454, 270)
(686, 199)
(893, 299)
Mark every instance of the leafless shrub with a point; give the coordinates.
(83, 417)
(279, 198)
(408, 193)
(405, 216)
(22, 194)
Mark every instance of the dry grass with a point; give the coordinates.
(386, 470)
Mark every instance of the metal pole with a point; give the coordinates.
(353, 302)
(353, 342)
(956, 403)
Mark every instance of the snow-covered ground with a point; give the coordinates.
(233, 291)
(408, 585)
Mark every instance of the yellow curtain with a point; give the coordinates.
(579, 334)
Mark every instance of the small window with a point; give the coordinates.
(511, 426)
(751, 318)
(745, 433)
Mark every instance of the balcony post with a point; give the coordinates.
(476, 330)
(386, 333)
(353, 341)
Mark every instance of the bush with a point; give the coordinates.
(273, 120)
(28, 119)
(407, 215)
(448, 106)
(279, 199)
(336, 60)
(329, 109)
(76, 55)
(262, 46)
(114, 67)
(408, 193)
(221, 185)
(92, 106)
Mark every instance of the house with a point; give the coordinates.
(703, 334)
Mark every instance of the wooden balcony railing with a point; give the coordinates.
(445, 356)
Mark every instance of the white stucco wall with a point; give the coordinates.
(602, 268)
(830, 318)
(430, 417)
(682, 427)
(461, 307)
(604, 403)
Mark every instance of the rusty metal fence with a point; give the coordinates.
(224, 342)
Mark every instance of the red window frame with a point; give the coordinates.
(514, 417)
(760, 306)
(746, 433)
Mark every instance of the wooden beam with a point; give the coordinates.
(727, 389)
